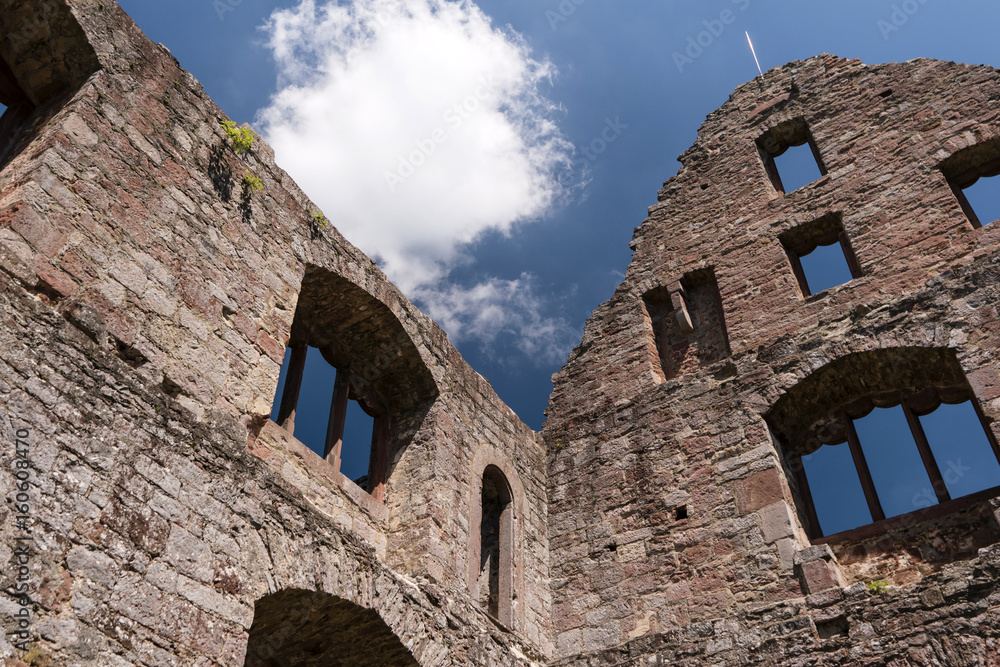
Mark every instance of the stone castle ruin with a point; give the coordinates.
(155, 271)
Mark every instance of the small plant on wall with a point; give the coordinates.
(877, 587)
(318, 220)
(242, 138)
(251, 182)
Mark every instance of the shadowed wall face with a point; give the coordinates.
(296, 628)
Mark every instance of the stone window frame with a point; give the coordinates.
(489, 460)
(805, 238)
(816, 410)
(505, 547)
(670, 301)
(346, 387)
(777, 140)
(964, 168)
(378, 364)
(914, 404)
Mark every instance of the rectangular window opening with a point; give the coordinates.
(356, 453)
(837, 494)
(671, 345)
(897, 461)
(688, 323)
(825, 267)
(974, 176)
(790, 156)
(797, 167)
(962, 449)
(821, 255)
(321, 407)
(982, 200)
(311, 411)
(900, 478)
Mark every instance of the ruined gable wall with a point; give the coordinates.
(148, 299)
(675, 533)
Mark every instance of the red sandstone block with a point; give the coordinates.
(245, 325)
(758, 490)
(38, 232)
(53, 277)
(190, 287)
(78, 266)
(271, 347)
(818, 576)
(985, 383)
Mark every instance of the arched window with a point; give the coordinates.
(974, 176)
(46, 55)
(495, 584)
(351, 372)
(884, 434)
(335, 403)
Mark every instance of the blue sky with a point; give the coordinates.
(586, 105)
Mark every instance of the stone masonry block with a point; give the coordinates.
(776, 521)
(819, 575)
(758, 490)
(819, 569)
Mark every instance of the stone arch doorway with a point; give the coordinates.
(299, 628)
(496, 554)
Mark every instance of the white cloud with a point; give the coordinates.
(497, 311)
(416, 126)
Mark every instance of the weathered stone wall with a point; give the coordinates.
(148, 294)
(676, 533)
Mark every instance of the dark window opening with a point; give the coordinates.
(974, 176)
(324, 408)
(496, 567)
(790, 156)
(15, 108)
(688, 322)
(897, 460)
(821, 255)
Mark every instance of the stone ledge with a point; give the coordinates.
(325, 488)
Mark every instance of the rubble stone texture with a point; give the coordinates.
(148, 294)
